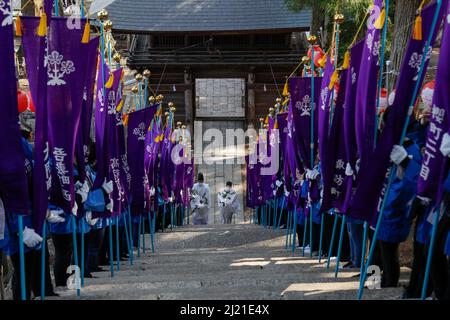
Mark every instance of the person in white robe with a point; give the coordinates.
(200, 201)
(228, 203)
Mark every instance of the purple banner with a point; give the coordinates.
(13, 179)
(351, 149)
(111, 143)
(433, 170)
(100, 125)
(368, 196)
(84, 131)
(166, 164)
(366, 92)
(334, 161)
(66, 71)
(34, 51)
(326, 162)
(138, 123)
(300, 105)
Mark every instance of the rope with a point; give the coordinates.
(160, 79)
(274, 80)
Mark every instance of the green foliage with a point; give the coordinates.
(354, 12)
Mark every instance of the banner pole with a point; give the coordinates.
(294, 231)
(127, 236)
(111, 255)
(321, 237)
(44, 242)
(333, 235)
(139, 236)
(75, 249)
(430, 252)
(117, 243)
(341, 238)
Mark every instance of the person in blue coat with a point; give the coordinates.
(61, 228)
(396, 222)
(439, 271)
(9, 237)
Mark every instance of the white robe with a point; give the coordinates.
(200, 215)
(230, 209)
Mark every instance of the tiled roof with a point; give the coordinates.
(205, 15)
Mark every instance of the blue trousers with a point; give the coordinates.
(355, 233)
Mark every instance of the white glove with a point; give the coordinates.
(274, 192)
(348, 170)
(398, 154)
(107, 186)
(54, 216)
(30, 238)
(357, 165)
(278, 183)
(110, 205)
(424, 201)
(75, 209)
(445, 145)
(312, 174)
(286, 194)
(82, 190)
(90, 220)
(152, 191)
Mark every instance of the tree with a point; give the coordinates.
(323, 12)
(404, 16)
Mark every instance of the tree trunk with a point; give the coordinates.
(405, 12)
(318, 16)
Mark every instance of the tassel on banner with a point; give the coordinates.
(323, 61)
(18, 27)
(110, 82)
(379, 23)
(286, 89)
(86, 33)
(333, 79)
(346, 63)
(417, 31)
(119, 107)
(125, 120)
(42, 28)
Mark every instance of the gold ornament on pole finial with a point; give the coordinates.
(151, 99)
(179, 124)
(166, 114)
(173, 109)
(306, 60)
(339, 18)
(159, 98)
(312, 39)
(170, 105)
(278, 100)
(107, 25)
(183, 127)
(102, 15)
(271, 110)
(147, 73)
(139, 77)
(117, 57)
(135, 89)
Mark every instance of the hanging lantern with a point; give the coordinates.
(30, 102)
(22, 101)
(318, 54)
(427, 94)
